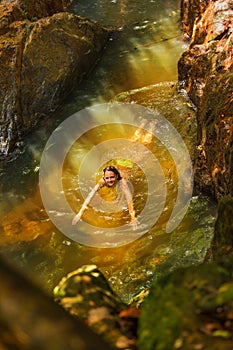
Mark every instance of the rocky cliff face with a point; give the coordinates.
(206, 73)
(44, 53)
(191, 10)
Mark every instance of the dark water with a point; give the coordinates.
(143, 50)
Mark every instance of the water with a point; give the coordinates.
(143, 50)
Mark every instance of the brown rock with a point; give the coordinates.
(191, 11)
(205, 71)
(8, 14)
(28, 9)
(41, 61)
(11, 47)
(86, 294)
(40, 8)
(58, 53)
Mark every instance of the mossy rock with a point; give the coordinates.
(189, 309)
(86, 294)
(222, 243)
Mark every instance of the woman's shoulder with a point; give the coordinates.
(123, 182)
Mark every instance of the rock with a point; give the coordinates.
(8, 14)
(28, 9)
(206, 74)
(37, 9)
(189, 309)
(222, 243)
(190, 11)
(58, 53)
(86, 294)
(41, 61)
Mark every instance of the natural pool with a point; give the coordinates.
(144, 50)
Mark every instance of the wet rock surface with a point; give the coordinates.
(206, 74)
(191, 11)
(44, 52)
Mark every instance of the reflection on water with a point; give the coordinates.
(143, 50)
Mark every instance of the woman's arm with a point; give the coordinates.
(129, 199)
(78, 216)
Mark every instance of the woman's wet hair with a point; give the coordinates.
(114, 170)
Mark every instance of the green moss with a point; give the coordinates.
(182, 310)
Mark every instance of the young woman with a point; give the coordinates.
(111, 178)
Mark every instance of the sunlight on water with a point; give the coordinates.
(143, 50)
(107, 128)
(91, 171)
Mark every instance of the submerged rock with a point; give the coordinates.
(166, 100)
(41, 61)
(206, 74)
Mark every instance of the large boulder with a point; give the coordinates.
(190, 308)
(206, 74)
(41, 61)
(18, 10)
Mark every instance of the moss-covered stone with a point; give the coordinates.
(189, 309)
(86, 294)
(222, 243)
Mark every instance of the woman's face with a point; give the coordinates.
(110, 178)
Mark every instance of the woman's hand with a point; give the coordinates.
(77, 218)
(134, 222)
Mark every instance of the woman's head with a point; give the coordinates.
(111, 175)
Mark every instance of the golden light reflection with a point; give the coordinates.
(154, 60)
(71, 181)
(149, 54)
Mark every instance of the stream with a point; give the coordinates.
(142, 52)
